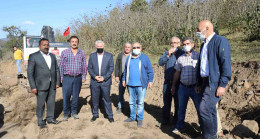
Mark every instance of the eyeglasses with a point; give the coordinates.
(175, 42)
(138, 47)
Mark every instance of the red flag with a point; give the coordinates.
(67, 31)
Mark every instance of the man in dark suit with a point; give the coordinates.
(213, 75)
(100, 68)
(44, 78)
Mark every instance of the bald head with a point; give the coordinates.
(206, 27)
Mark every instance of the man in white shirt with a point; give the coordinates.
(43, 75)
(213, 75)
(100, 83)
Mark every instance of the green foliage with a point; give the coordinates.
(138, 5)
(15, 37)
(252, 23)
(154, 23)
(157, 3)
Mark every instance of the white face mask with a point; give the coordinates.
(136, 51)
(200, 36)
(187, 48)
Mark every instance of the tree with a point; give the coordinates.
(138, 5)
(159, 2)
(15, 36)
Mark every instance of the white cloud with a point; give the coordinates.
(28, 23)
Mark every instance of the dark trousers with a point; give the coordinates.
(121, 93)
(47, 96)
(208, 112)
(167, 101)
(71, 87)
(96, 93)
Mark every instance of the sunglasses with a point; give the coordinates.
(138, 47)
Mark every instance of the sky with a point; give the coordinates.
(32, 15)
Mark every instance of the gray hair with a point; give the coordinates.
(128, 43)
(174, 37)
(188, 38)
(99, 41)
(136, 43)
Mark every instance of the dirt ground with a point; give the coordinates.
(18, 109)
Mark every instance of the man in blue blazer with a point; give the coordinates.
(214, 72)
(100, 68)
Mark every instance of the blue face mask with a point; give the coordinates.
(200, 36)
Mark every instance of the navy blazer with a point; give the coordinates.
(107, 67)
(219, 61)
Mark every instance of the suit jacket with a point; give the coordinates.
(39, 74)
(107, 67)
(219, 60)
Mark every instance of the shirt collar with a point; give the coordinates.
(136, 57)
(45, 54)
(210, 37)
(99, 54)
(77, 50)
(190, 53)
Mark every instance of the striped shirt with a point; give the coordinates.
(188, 65)
(73, 65)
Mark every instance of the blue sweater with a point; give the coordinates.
(134, 73)
(169, 63)
(219, 60)
(145, 67)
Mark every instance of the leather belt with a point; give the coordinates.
(73, 76)
(188, 86)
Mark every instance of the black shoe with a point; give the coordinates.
(42, 125)
(94, 118)
(55, 122)
(111, 120)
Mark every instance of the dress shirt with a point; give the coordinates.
(47, 58)
(204, 63)
(100, 58)
(73, 65)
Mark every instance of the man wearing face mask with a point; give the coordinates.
(213, 75)
(168, 59)
(73, 70)
(186, 72)
(138, 75)
(100, 68)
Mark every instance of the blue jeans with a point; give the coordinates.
(184, 94)
(121, 99)
(167, 103)
(18, 64)
(136, 92)
(208, 113)
(71, 87)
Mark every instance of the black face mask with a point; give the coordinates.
(100, 50)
